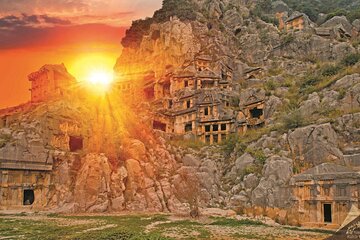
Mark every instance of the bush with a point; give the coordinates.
(293, 120)
(311, 80)
(342, 93)
(270, 85)
(134, 34)
(258, 154)
(330, 70)
(229, 144)
(251, 169)
(351, 59)
(337, 12)
(183, 9)
(287, 39)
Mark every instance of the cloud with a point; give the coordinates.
(12, 22)
(66, 35)
(31, 22)
(55, 20)
(43, 6)
(72, 8)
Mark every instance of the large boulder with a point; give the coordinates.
(92, 184)
(356, 25)
(273, 190)
(279, 169)
(315, 144)
(135, 149)
(338, 20)
(311, 105)
(273, 104)
(242, 162)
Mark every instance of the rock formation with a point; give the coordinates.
(113, 160)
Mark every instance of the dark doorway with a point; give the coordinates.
(327, 213)
(75, 143)
(159, 126)
(29, 197)
(256, 113)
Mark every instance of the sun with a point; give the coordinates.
(100, 78)
(94, 70)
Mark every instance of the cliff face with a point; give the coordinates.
(311, 87)
(303, 77)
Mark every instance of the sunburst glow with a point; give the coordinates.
(94, 71)
(100, 78)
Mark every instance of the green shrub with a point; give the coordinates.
(330, 70)
(229, 144)
(134, 34)
(270, 20)
(287, 39)
(351, 59)
(311, 80)
(183, 9)
(293, 120)
(342, 93)
(337, 12)
(270, 85)
(258, 154)
(251, 169)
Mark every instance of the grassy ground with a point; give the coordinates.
(138, 227)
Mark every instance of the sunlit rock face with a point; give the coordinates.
(86, 152)
(169, 43)
(93, 159)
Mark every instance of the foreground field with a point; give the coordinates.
(150, 227)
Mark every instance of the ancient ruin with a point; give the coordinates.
(199, 101)
(325, 195)
(49, 82)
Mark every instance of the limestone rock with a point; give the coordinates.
(251, 181)
(190, 160)
(335, 21)
(242, 162)
(272, 190)
(356, 24)
(311, 105)
(272, 106)
(315, 144)
(135, 149)
(93, 183)
(279, 169)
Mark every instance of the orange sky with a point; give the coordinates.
(34, 33)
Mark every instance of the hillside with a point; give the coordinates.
(289, 102)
